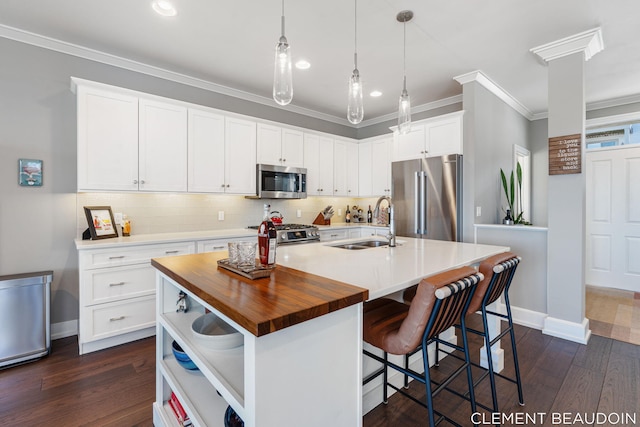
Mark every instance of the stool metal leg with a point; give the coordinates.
(515, 353)
(427, 377)
(487, 343)
(385, 399)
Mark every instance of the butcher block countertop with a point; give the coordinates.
(261, 306)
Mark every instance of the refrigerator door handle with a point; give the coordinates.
(423, 202)
(416, 203)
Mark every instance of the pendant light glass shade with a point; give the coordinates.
(355, 107)
(282, 72)
(404, 104)
(404, 112)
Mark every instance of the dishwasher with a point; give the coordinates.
(25, 326)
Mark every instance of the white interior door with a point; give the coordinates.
(613, 218)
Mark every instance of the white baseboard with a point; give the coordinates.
(571, 331)
(64, 329)
(525, 317)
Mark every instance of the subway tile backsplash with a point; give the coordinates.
(167, 213)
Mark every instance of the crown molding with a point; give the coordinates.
(590, 42)
(127, 64)
(481, 78)
(456, 99)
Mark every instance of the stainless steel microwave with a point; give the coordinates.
(281, 182)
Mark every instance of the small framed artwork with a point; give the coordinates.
(30, 172)
(101, 222)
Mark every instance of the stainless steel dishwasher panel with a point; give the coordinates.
(24, 317)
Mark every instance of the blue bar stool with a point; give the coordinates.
(440, 301)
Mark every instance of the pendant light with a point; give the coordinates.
(355, 109)
(404, 104)
(282, 75)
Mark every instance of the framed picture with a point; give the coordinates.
(30, 172)
(101, 222)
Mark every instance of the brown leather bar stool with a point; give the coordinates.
(440, 301)
(498, 272)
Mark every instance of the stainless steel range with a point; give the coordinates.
(295, 233)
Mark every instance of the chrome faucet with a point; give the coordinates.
(392, 223)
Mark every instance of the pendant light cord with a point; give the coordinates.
(282, 18)
(355, 36)
(404, 52)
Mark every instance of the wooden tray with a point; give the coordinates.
(249, 272)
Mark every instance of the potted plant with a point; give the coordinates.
(514, 213)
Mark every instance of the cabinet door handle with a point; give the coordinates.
(142, 181)
(115, 319)
(116, 257)
(228, 185)
(116, 284)
(222, 186)
(171, 252)
(135, 181)
(218, 247)
(334, 235)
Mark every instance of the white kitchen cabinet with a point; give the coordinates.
(162, 146)
(205, 152)
(431, 137)
(353, 166)
(279, 146)
(318, 160)
(444, 136)
(240, 156)
(221, 245)
(334, 234)
(117, 293)
(410, 145)
(375, 167)
(340, 167)
(107, 140)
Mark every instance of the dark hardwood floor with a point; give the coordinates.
(115, 387)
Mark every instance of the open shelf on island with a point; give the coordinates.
(223, 368)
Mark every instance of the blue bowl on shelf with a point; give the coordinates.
(182, 358)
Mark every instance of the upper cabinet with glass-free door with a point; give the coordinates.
(162, 145)
(431, 137)
(279, 146)
(107, 140)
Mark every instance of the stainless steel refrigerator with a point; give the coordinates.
(427, 197)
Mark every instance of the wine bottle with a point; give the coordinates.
(369, 215)
(267, 236)
(347, 215)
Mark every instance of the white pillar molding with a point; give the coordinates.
(589, 42)
(566, 192)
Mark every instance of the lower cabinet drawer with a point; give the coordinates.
(117, 283)
(110, 319)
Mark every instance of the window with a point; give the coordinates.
(613, 136)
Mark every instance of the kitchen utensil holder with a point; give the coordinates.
(321, 221)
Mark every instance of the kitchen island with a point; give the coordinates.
(301, 362)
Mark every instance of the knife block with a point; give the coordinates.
(321, 221)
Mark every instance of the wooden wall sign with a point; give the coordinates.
(565, 154)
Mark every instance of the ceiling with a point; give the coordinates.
(231, 45)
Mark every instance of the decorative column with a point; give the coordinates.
(566, 183)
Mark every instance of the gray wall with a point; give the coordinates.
(491, 128)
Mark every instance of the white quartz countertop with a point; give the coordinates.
(147, 239)
(383, 270)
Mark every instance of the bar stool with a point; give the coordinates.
(498, 272)
(440, 301)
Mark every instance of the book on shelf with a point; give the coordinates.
(178, 411)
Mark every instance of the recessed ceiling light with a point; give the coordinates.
(164, 8)
(303, 65)
(375, 94)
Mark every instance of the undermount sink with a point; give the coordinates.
(365, 244)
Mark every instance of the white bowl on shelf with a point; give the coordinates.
(212, 332)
